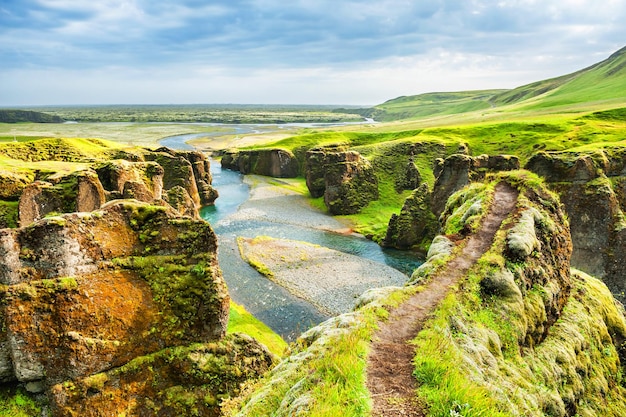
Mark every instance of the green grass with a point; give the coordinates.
(241, 321)
(429, 104)
(472, 358)
(328, 382)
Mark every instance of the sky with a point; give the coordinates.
(339, 52)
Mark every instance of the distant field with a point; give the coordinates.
(199, 113)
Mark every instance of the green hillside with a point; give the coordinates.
(603, 81)
(602, 84)
(433, 104)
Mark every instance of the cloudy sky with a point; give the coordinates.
(291, 51)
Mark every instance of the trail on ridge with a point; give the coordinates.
(390, 377)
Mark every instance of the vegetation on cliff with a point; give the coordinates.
(519, 335)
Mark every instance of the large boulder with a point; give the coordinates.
(182, 381)
(350, 182)
(88, 292)
(79, 191)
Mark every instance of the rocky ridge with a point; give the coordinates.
(592, 187)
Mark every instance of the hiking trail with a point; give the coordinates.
(390, 379)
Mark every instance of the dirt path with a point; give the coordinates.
(390, 362)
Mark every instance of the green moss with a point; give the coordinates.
(16, 402)
(325, 375)
(477, 338)
(9, 214)
(178, 288)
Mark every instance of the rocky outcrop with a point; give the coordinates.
(87, 293)
(146, 178)
(188, 170)
(182, 179)
(182, 381)
(79, 191)
(202, 174)
(277, 163)
(591, 187)
(458, 170)
(415, 223)
(411, 178)
(350, 182)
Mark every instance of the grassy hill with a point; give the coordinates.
(602, 83)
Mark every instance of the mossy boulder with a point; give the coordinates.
(87, 292)
(350, 182)
(79, 191)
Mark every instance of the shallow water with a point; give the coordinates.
(285, 313)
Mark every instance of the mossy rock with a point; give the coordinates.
(179, 381)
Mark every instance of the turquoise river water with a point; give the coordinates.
(285, 313)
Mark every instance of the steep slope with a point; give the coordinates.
(602, 81)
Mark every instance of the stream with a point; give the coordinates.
(283, 312)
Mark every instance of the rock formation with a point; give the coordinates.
(411, 178)
(458, 170)
(349, 181)
(182, 179)
(85, 295)
(79, 191)
(415, 223)
(277, 163)
(591, 187)
(520, 334)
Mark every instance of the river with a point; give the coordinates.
(285, 313)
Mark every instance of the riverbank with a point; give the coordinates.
(329, 279)
(278, 208)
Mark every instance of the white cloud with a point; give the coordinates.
(341, 51)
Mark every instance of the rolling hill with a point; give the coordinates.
(602, 84)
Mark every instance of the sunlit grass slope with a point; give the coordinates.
(602, 83)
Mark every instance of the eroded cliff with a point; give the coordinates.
(55, 176)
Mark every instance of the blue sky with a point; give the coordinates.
(291, 52)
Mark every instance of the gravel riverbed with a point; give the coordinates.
(328, 279)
